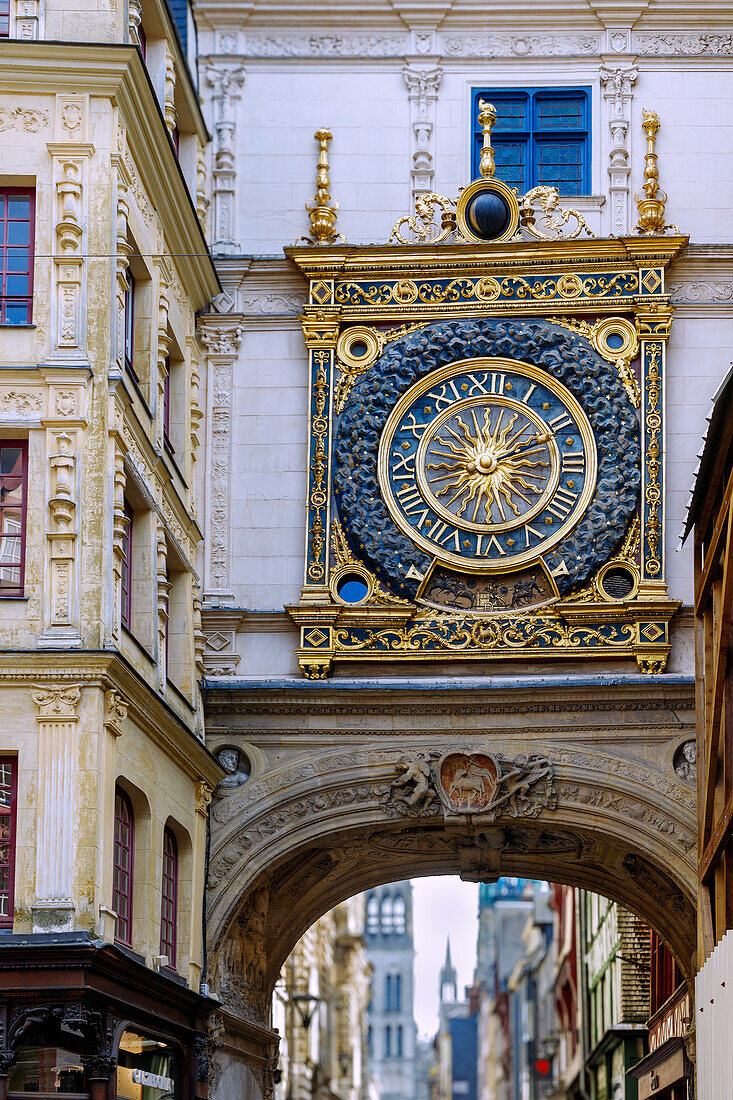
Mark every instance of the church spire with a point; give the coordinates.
(448, 978)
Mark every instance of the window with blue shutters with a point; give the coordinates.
(541, 136)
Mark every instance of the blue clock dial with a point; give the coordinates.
(488, 462)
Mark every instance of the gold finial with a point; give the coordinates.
(486, 119)
(322, 209)
(652, 200)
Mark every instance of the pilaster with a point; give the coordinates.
(58, 806)
(422, 87)
(61, 606)
(226, 82)
(119, 522)
(221, 336)
(70, 153)
(618, 87)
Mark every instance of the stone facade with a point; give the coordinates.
(323, 1045)
(392, 1028)
(98, 697)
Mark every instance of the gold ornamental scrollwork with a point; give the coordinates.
(318, 498)
(553, 217)
(510, 288)
(653, 491)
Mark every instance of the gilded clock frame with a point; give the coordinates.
(435, 378)
(593, 287)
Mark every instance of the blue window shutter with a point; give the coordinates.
(179, 11)
(541, 136)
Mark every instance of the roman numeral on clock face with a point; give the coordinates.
(562, 502)
(443, 534)
(562, 420)
(573, 462)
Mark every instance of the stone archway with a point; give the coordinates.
(592, 800)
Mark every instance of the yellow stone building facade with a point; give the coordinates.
(106, 778)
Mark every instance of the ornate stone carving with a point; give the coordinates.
(169, 103)
(618, 85)
(221, 338)
(56, 701)
(163, 588)
(687, 44)
(326, 45)
(203, 795)
(241, 962)
(505, 45)
(237, 767)
(226, 82)
(478, 783)
(115, 712)
(120, 522)
(422, 87)
(29, 119)
(702, 292)
(414, 785)
(69, 267)
(61, 611)
(268, 305)
(21, 404)
(685, 761)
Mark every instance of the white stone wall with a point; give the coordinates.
(327, 69)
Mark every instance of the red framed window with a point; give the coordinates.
(169, 898)
(143, 40)
(4, 18)
(167, 408)
(17, 230)
(8, 809)
(666, 975)
(124, 858)
(126, 570)
(13, 506)
(130, 323)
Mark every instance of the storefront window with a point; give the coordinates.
(147, 1069)
(47, 1071)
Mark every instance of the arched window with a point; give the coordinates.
(169, 898)
(386, 916)
(398, 913)
(393, 999)
(124, 857)
(372, 914)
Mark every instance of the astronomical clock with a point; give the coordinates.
(486, 438)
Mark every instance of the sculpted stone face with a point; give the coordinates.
(235, 765)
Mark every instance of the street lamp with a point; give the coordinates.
(306, 1004)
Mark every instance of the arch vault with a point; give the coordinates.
(354, 784)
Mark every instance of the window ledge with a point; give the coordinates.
(5, 324)
(127, 633)
(18, 599)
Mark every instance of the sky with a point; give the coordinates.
(442, 906)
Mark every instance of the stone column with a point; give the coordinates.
(618, 91)
(422, 87)
(58, 806)
(227, 82)
(169, 102)
(221, 337)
